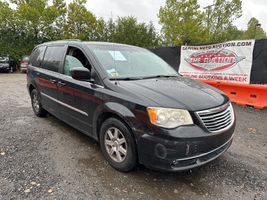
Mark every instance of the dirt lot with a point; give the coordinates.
(47, 159)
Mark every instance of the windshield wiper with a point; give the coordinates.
(143, 77)
(126, 79)
(160, 76)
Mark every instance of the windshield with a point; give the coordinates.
(122, 62)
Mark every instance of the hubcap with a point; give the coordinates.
(35, 102)
(115, 144)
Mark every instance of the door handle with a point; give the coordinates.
(61, 83)
(53, 80)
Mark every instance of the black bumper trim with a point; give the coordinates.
(201, 155)
(196, 161)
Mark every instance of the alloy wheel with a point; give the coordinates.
(116, 145)
(35, 103)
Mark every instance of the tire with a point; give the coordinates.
(126, 151)
(36, 104)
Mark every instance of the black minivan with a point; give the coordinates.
(131, 101)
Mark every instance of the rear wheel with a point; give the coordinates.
(36, 104)
(117, 145)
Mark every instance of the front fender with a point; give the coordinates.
(116, 109)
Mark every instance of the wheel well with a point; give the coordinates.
(103, 117)
(108, 115)
(31, 88)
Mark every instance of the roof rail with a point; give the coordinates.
(73, 39)
(67, 40)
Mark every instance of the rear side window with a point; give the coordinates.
(37, 56)
(53, 58)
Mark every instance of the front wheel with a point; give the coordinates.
(117, 145)
(36, 104)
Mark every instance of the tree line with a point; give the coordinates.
(26, 23)
(185, 22)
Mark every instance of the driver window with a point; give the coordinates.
(75, 58)
(71, 62)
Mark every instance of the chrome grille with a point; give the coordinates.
(217, 119)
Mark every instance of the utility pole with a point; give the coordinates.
(208, 8)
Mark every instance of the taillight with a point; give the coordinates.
(24, 62)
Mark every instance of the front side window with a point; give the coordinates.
(71, 62)
(75, 58)
(130, 62)
(53, 57)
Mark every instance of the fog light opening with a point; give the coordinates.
(160, 151)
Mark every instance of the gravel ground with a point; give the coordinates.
(43, 158)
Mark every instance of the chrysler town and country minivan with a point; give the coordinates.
(138, 107)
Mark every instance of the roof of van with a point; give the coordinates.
(76, 41)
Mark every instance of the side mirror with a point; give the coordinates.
(80, 73)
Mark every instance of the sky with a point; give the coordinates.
(147, 10)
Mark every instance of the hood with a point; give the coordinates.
(176, 92)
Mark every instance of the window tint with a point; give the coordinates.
(53, 58)
(37, 56)
(71, 62)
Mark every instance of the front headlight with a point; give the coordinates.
(168, 117)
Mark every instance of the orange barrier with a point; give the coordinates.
(243, 94)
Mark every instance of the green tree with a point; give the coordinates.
(128, 31)
(31, 22)
(80, 23)
(99, 32)
(59, 9)
(12, 33)
(181, 21)
(108, 31)
(40, 19)
(254, 30)
(184, 22)
(219, 18)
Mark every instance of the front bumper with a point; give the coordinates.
(4, 68)
(190, 148)
(196, 161)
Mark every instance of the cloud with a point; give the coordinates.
(254, 8)
(143, 10)
(147, 10)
